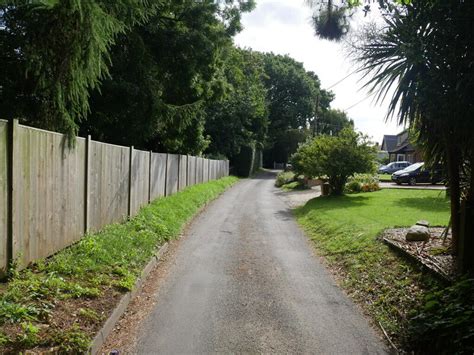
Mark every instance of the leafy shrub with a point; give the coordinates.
(362, 183)
(285, 177)
(353, 186)
(446, 322)
(337, 157)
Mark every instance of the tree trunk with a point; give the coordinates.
(454, 193)
(466, 242)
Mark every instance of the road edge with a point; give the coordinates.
(122, 305)
(109, 325)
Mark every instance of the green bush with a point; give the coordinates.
(285, 177)
(353, 187)
(337, 157)
(362, 183)
(446, 321)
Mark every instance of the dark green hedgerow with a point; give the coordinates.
(63, 300)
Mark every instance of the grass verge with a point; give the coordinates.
(62, 301)
(345, 229)
(295, 185)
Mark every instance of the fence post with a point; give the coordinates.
(166, 175)
(187, 170)
(149, 176)
(87, 185)
(130, 182)
(12, 162)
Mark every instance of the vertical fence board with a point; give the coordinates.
(109, 183)
(3, 195)
(191, 170)
(172, 174)
(183, 172)
(140, 175)
(199, 170)
(158, 175)
(48, 194)
(205, 169)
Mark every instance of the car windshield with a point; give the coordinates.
(413, 167)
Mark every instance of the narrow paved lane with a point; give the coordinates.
(245, 280)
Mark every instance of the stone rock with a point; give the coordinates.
(417, 233)
(423, 223)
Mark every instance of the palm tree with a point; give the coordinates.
(426, 52)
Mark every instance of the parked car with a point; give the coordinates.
(417, 173)
(393, 167)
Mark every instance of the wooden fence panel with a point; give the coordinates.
(53, 187)
(109, 169)
(213, 169)
(3, 195)
(205, 168)
(158, 175)
(199, 170)
(172, 174)
(183, 172)
(140, 175)
(191, 170)
(48, 193)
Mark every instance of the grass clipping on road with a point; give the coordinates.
(62, 301)
(345, 229)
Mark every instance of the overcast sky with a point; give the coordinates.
(284, 27)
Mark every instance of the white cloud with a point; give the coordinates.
(284, 27)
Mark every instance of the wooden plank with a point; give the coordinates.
(191, 170)
(183, 172)
(48, 194)
(158, 175)
(140, 171)
(199, 170)
(4, 230)
(172, 173)
(109, 184)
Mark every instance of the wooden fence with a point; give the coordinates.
(50, 196)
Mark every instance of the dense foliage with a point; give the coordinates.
(337, 157)
(157, 74)
(446, 321)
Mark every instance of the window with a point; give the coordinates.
(400, 157)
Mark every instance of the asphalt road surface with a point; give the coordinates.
(246, 280)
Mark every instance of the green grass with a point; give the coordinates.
(99, 267)
(385, 177)
(345, 229)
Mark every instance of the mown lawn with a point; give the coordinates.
(385, 177)
(62, 301)
(345, 229)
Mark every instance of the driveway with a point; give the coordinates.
(392, 185)
(246, 280)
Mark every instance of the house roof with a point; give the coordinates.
(404, 148)
(389, 142)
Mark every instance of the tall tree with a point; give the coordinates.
(163, 74)
(427, 50)
(293, 96)
(56, 52)
(239, 118)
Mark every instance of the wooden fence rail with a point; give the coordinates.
(50, 195)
